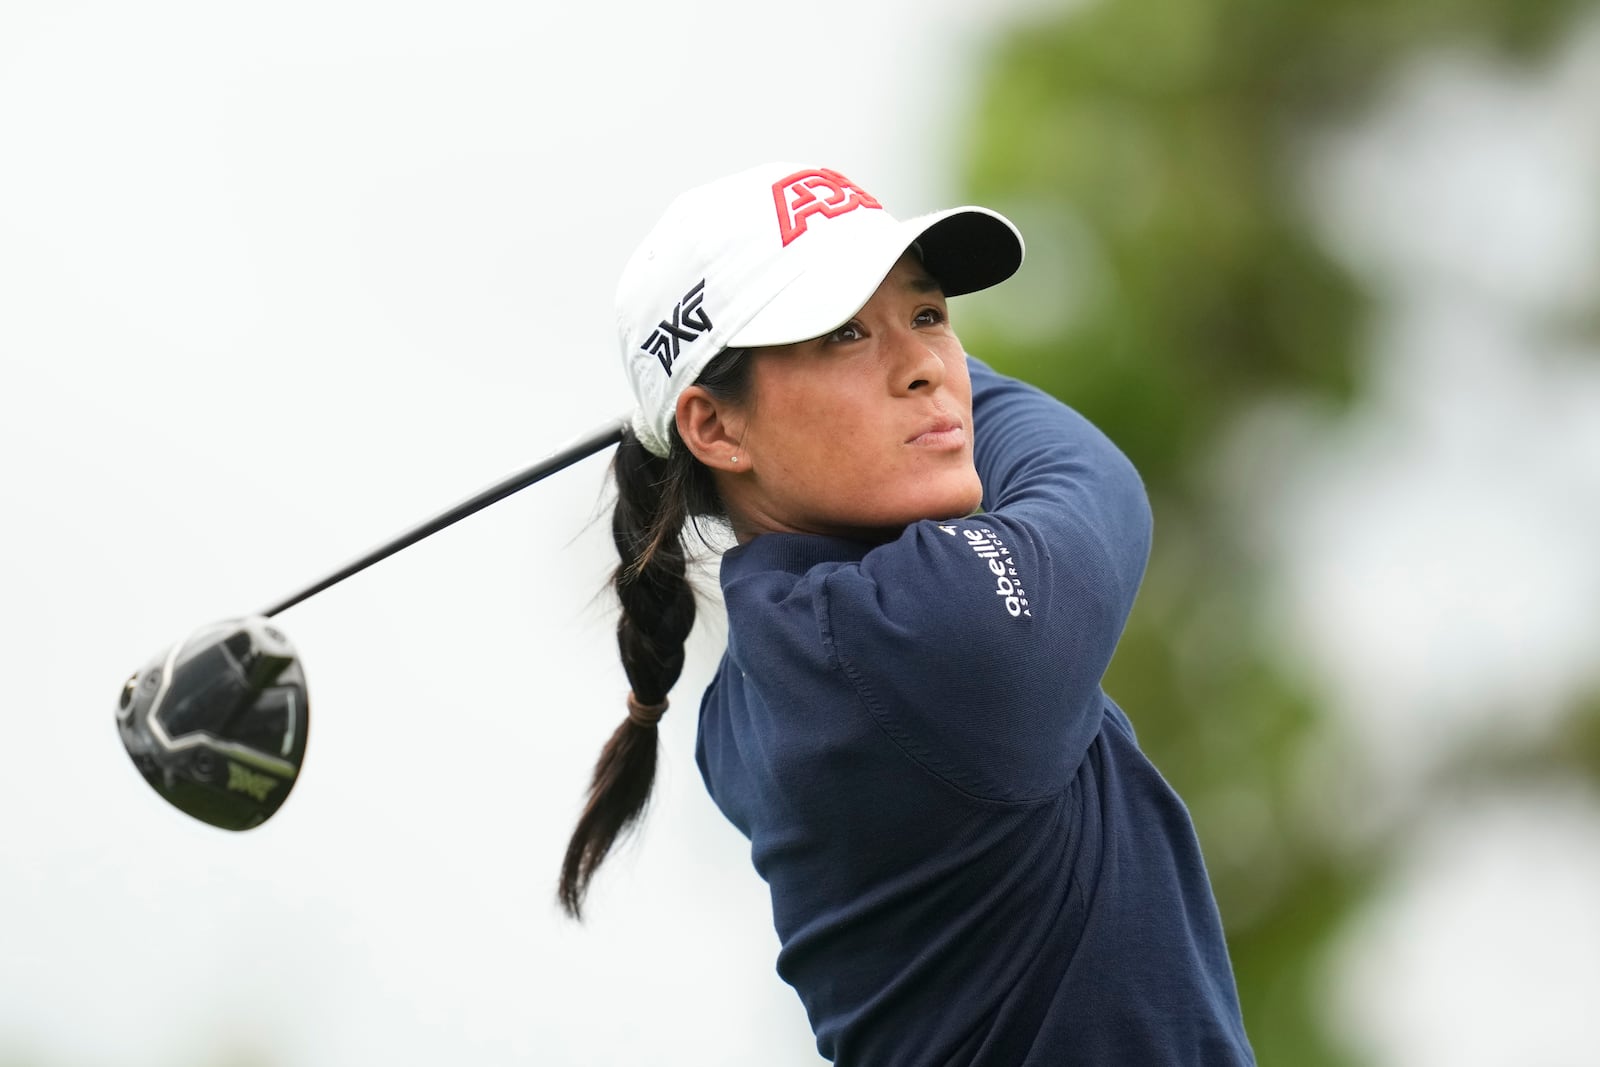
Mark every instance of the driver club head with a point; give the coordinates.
(217, 723)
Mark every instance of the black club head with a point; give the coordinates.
(217, 723)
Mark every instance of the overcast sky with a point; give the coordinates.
(277, 281)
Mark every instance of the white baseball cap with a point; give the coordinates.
(773, 255)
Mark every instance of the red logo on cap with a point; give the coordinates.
(815, 192)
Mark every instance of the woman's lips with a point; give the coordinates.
(941, 435)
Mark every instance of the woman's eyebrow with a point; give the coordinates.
(924, 283)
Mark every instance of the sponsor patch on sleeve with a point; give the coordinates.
(999, 566)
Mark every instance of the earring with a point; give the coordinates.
(734, 459)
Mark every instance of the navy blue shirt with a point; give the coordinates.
(970, 860)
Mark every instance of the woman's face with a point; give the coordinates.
(863, 431)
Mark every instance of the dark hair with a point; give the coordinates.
(657, 500)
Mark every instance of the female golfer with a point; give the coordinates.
(970, 860)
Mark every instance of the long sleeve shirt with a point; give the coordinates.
(970, 860)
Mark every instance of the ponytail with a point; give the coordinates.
(656, 500)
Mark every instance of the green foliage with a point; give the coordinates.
(1175, 282)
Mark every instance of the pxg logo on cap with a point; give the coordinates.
(688, 321)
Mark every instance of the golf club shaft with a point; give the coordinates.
(602, 438)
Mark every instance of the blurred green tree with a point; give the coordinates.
(1149, 150)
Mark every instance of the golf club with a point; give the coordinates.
(217, 723)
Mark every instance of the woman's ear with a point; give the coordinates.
(711, 429)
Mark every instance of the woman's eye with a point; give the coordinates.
(929, 317)
(850, 331)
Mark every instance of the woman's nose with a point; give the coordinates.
(915, 364)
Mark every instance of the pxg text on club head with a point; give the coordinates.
(217, 723)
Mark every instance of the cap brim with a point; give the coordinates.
(965, 248)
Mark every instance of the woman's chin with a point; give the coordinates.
(957, 503)
(962, 498)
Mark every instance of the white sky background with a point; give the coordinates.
(276, 282)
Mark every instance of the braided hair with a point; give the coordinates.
(657, 500)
